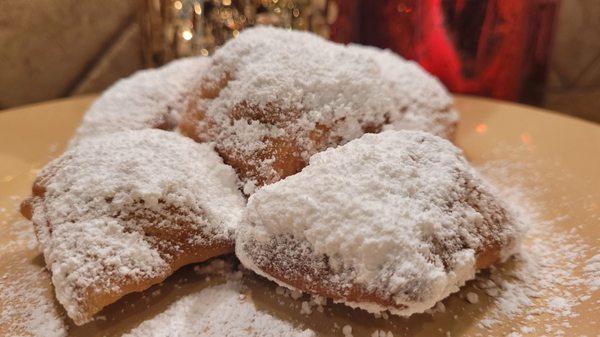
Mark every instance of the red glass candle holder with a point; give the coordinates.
(496, 48)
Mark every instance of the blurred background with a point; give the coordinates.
(540, 52)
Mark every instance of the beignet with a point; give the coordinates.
(271, 98)
(392, 221)
(118, 213)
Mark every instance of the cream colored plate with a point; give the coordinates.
(556, 158)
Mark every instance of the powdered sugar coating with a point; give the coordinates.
(272, 97)
(401, 215)
(152, 98)
(217, 311)
(423, 101)
(121, 209)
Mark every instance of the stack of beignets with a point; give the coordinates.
(393, 221)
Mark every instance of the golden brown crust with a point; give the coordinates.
(285, 153)
(295, 267)
(96, 301)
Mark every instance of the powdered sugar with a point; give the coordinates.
(221, 310)
(542, 280)
(273, 96)
(472, 297)
(106, 197)
(347, 330)
(27, 307)
(382, 333)
(551, 276)
(151, 98)
(400, 213)
(592, 272)
(424, 102)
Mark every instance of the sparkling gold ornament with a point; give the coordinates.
(177, 28)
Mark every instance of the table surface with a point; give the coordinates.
(554, 159)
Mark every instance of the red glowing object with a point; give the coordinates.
(496, 48)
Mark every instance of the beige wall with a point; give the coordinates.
(57, 48)
(574, 77)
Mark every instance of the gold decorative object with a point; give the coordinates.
(178, 28)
